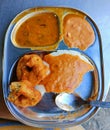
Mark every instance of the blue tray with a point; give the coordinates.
(44, 115)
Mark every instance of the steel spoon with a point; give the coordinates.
(70, 102)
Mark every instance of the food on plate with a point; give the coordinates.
(60, 71)
(42, 29)
(67, 69)
(23, 94)
(77, 32)
(32, 68)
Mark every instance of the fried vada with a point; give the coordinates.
(23, 94)
(32, 68)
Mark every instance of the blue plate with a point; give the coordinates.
(46, 114)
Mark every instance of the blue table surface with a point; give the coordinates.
(98, 10)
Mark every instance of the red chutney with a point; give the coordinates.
(77, 32)
(39, 30)
(66, 74)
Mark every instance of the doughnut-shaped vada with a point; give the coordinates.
(23, 94)
(32, 68)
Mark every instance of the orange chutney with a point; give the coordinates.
(66, 74)
(77, 32)
(39, 30)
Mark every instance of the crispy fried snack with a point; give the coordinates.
(32, 68)
(23, 94)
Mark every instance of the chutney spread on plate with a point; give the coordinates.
(66, 72)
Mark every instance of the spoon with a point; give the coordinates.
(70, 102)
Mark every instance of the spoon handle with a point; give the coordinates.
(100, 104)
